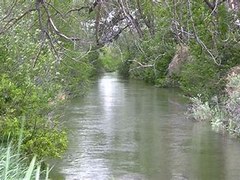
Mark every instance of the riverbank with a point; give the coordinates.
(222, 112)
(213, 88)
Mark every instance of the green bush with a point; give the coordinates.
(95, 61)
(27, 88)
(73, 77)
(200, 76)
(149, 59)
(129, 53)
(41, 137)
(124, 68)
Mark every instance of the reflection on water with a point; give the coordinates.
(128, 130)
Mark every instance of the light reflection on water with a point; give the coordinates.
(129, 130)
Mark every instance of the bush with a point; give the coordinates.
(41, 137)
(201, 110)
(25, 93)
(200, 76)
(149, 59)
(124, 68)
(233, 103)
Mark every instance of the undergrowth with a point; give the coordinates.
(224, 116)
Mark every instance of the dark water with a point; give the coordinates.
(129, 130)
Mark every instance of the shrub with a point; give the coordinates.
(151, 58)
(26, 92)
(200, 76)
(223, 116)
(233, 103)
(201, 110)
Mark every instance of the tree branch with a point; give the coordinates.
(15, 21)
(130, 18)
(77, 9)
(56, 29)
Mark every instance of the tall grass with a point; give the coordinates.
(14, 166)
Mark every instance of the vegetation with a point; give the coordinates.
(209, 35)
(39, 70)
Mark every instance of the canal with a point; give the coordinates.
(126, 129)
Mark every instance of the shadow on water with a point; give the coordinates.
(125, 129)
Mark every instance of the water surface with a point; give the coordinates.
(125, 129)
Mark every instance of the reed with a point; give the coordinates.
(14, 166)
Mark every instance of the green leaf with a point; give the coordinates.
(30, 169)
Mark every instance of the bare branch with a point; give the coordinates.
(14, 21)
(213, 6)
(56, 29)
(58, 11)
(77, 9)
(140, 65)
(130, 18)
(38, 54)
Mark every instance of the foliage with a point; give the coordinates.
(95, 61)
(26, 91)
(110, 58)
(124, 68)
(129, 51)
(31, 101)
(149, 59)
(233, 103)
(200, 76)
(73, 76)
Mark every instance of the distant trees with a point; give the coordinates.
(208, 29)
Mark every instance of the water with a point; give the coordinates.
(129, 130)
